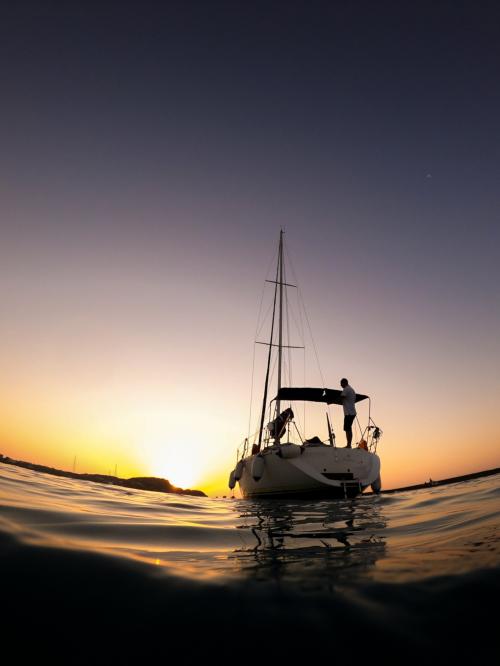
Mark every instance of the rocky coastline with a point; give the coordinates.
(141, 482)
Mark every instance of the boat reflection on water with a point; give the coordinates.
(310, 544)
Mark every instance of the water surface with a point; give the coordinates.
(407, 569)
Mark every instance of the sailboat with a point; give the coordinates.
(282, 462)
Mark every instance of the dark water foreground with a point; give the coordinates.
(93, 574)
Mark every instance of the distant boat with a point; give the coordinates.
(276, 466)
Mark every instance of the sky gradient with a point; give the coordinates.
(151, 154)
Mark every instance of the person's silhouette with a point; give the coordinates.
(348, 396)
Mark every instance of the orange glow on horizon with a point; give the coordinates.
(150, 398)
(199, 454)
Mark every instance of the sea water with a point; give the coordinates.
(92, 573)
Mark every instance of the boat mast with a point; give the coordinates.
(264, 401)
(280, 338)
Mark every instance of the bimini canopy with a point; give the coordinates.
(330, 396)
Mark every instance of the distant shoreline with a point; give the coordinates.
(444, 482)
(152, 483)
(157, 484)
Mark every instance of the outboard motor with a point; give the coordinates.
(278, 426)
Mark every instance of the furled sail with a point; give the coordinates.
(277, 427)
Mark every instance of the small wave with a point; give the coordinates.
(411, 536)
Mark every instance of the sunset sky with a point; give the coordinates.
(150, 154)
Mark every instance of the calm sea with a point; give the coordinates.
(93, 574)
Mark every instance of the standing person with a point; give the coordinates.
(348, 397)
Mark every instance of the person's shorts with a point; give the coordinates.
(348, 420)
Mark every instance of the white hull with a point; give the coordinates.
(318, 471)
